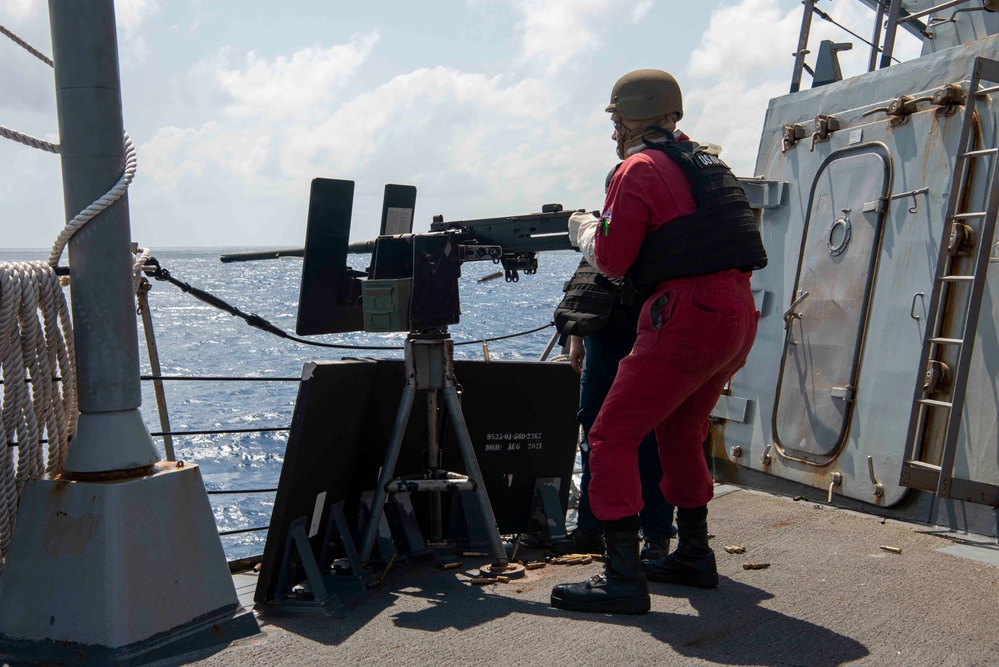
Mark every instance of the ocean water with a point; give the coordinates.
(194, 339)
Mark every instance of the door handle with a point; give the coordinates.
(789, 316)
(912, 311)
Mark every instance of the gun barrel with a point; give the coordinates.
(262, 254)
(356, 248)
(361, 247)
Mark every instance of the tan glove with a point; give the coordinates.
(578, 223)
(587, 238)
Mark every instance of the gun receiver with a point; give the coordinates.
(520, 237)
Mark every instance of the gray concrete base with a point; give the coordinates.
(113, 564)
(195, 640)
(110, 441)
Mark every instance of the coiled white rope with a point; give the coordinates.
(39, 381)
(37, 357)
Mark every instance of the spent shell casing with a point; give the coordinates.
(755, 566)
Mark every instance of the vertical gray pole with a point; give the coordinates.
(799, 55)
(111, 434)
(893, 14)
(876, 37)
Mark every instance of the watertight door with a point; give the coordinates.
(825, 322)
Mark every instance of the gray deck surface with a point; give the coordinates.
(831, 596)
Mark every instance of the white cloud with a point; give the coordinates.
(755, 36)
(557, 31)
(20, 9)
(641, 10)
(132, 15)
(741, 38)
(174, 156)
(232, 140)
(297, 85)
(286, 120)
(435, 108)
(166, 158)
(133, 18)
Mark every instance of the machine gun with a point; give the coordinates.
(513, 241)
(412, 282)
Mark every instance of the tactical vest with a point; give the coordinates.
(594, 303)
(722, 234)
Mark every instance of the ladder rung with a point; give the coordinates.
(984, 151)
(923, 465)
(965, 216)
(986, 91)
(935, 404)
(957, 279)
(947, 341)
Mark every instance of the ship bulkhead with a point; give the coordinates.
(873, 381)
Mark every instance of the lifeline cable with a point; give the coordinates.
(153, 269)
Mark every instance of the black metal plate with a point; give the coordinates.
(343, 423)
(324, 303)
(398, 205)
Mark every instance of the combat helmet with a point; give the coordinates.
(646, 93)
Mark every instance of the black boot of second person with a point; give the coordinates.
(693, 562)
(621, 588)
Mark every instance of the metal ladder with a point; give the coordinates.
(916, 472)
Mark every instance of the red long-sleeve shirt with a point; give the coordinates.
(648, 191)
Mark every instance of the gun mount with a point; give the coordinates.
(412, 282)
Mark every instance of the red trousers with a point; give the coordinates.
(693, 335)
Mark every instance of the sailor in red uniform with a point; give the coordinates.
(676, 221)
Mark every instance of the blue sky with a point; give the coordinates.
(489, 107)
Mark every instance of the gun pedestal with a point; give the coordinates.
(429, 367)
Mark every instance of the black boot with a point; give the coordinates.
(654, 548)
(579, 541)
(693, 562)
(622, 588)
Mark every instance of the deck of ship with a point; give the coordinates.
(831, 596)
